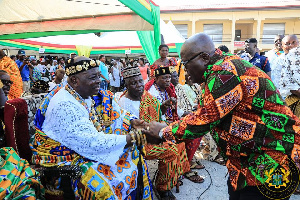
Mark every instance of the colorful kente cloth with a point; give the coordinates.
(65, 135)
(247, 118)
(17, 179)
(191, 145)
(10, 66)
(172, 157)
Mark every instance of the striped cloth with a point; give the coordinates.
(17, 179)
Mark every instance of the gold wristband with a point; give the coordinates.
(144, 139)
(1, 84)
(138, 139)
(133, 140)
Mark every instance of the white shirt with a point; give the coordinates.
(67, 121)
(131, 106)
(290, 73)
(277, 68)
(272, 57)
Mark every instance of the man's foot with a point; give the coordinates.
(197, 165)
(220, 161)
(194, 177)
(166, 195)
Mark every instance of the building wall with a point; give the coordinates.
(250, 22)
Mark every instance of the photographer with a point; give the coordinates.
(23, 64)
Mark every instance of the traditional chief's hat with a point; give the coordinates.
(157, 70)
(82, 65)
(131, 71)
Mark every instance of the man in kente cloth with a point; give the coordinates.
(172, 157)
(164, 91)
(255, 130)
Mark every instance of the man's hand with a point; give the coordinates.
(170, 103)
(152, 132)
(107, 81)
(296, 92)
(139, 124)
(155, 127)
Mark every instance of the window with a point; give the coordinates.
(215, 31)
(238, 34)
(270, 31)
(183, 29)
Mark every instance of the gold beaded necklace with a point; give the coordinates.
(92, 114)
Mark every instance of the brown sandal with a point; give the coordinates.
(194, 177)
(220, 161)
(197, 165)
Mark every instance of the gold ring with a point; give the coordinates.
(148, 128)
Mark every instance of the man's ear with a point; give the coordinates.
(74, 80)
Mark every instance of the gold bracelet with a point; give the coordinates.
(144, 139)
(133, 140)
(138, 139)
(1, 84)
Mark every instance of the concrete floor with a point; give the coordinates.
(217, 178)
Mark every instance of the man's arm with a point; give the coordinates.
(267, 67)
(22, 66)
(104, 78)
(219, 100)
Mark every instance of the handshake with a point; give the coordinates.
(151, 130)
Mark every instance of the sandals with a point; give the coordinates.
(194, 177)
(220, 161)
(197, 165)
(165, 195)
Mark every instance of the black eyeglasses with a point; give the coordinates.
(202, 54)
(7, 82)
(278, 41)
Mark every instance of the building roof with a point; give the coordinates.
(205, 5)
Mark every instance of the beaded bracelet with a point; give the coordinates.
(138, 136)
(133, 141)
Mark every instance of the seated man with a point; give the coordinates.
(17, 179)
(70, 130)
(164, 91)
(146, 107)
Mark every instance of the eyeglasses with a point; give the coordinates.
(7, 82)
(277, 41)
(202, 54)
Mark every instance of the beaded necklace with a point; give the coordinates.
(92, 113)
(164, 96)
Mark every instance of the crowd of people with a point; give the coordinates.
(109, 118)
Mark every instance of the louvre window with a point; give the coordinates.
(270, 31)
(215, 31)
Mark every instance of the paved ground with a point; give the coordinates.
(216, 176)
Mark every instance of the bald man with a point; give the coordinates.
(255, 131)
(59, 76)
